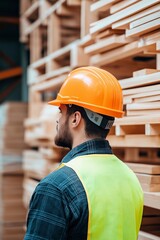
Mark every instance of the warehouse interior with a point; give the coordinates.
(41, 41)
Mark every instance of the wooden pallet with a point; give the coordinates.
(138, 155)
(38, 26)
(135, 141)
(57, 63)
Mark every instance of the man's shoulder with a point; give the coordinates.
(63, 180)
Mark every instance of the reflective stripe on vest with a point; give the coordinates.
(115, 197)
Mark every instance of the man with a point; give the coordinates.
(92, 195)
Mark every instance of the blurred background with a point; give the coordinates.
(41, 41)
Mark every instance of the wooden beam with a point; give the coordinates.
(73, 2)
(152, 199)
(145, 19)
(140, 81)
(116, 54)
(140, 97)
(141, 89)
(121, 5)
(13, 72)
(144, 28)
(135, 140)
(106, 44)
(102, 5)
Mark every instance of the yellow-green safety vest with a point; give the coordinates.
(114, 195)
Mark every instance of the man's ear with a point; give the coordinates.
(76, 118)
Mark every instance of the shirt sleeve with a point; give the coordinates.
(47, 217)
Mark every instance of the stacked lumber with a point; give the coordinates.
(12, 211)
(150, 224)
(131, 39)
(119, 36)
(12, 115)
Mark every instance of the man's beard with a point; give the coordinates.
(63, 137)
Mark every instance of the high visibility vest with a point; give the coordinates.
(114, 195)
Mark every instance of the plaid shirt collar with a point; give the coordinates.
(95, 146)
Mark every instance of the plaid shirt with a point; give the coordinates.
(58, 207)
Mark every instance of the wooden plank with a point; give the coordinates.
(109, 32)
(53, 74)
(124, 23)
(121, 5)
(144, 72)
(116, 54)
(35, 45)
(86, 41)
(24, 5)
(153, 98)
(147, 129)
(143, 106)
(53, 33)
(148, 178)
(53, 8)
(152, 199)
(140, 81)
(106, 22)
(142, 97)
(128, 50)
(145, 19)
(144, 28)
(13, 72)
(144, 168)
(31, 9)
(147, 236)
(137, 120)
(106, 44)
(50, 85)
(142, 112)
(135, 140)
(122, 130)
(78, 57)
(141, 89)
(86, 17)
(152, 129)
(102, 5)
(73, 2)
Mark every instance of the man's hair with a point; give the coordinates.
(91, 128)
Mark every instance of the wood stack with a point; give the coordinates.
(12, 211)
(121, 37)
(12, 115)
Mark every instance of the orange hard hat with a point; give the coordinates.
(94, 89)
